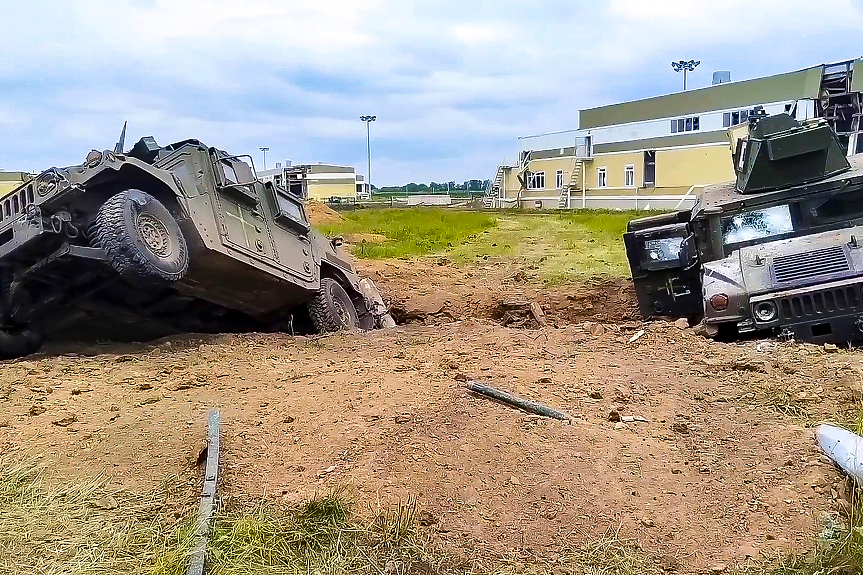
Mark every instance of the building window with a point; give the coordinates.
(558, 179)
(536, 181)
(690, 124)
(629, 176)
(601, 178)
(733, 118)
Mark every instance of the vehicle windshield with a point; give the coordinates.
(757, 226)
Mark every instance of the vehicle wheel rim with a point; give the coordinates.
(154, 235)
(342, 312)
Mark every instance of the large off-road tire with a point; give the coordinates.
(18, 343)
(332, 308)
(141, 238)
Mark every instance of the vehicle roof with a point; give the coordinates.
(724, 197)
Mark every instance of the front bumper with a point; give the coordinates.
(826, 313)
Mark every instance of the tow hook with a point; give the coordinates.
(859, 323)
(786, 335)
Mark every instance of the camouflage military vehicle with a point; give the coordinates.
(778, 250)
(168, 239)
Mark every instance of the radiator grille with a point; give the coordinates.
(841, 299)
(817, 263)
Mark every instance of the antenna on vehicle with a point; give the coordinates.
(118, 149)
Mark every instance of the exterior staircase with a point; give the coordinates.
(492, 191)
(574, 185)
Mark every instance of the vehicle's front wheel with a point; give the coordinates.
(15, 343)
(141, 238)
(332, 308)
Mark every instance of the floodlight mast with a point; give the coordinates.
(683, 65)
(265, 149)
(368, 120)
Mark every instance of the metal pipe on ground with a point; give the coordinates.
(516, 401)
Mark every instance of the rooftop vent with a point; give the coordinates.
(721, 77)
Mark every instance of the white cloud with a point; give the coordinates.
(453, 83)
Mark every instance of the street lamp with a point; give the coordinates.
(265, 150)
(684, 65)
(368, 120)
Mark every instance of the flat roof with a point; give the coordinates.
(801, 84)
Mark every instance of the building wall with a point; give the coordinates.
(323, 190)
(11, 180)
(694, 166)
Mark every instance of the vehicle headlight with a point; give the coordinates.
(764, 311)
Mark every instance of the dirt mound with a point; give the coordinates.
(428, 292)
(360, 238)
(319, 213)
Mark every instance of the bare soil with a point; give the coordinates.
(724, 469)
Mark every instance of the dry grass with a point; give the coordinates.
(323, 536)
(88, 527)
(609, 554)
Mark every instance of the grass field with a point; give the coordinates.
(563, 245)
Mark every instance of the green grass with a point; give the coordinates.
(558, 246)
(411, 232)
(323, 536)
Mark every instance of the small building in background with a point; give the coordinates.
(658, 153)
(320, 181)
(11, 180)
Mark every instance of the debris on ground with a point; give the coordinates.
(843, 447)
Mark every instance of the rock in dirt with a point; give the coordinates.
(289, 419)
(593, 328)
(681, 323)
(65, 421)
(426, 519)
(595, 394)
(514, 480)
(538, 315)
(37, 410)
(716, 568)
(706, 330)
(614, 416)
(402, 419)
(544, 380)
(668, 562)
(680, 427)
(831, 347)
(619, 426)
(5, 423)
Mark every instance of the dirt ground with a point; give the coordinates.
(724, 469)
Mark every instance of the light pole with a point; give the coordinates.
(368, 120)
(684, 65)
(265, 150)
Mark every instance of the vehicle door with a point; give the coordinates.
(665, 266)
(242, 223)
(291, 231)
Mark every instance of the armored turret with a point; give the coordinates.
(772, 152)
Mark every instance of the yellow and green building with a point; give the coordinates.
(659, 152)
(11, 180)
(319, 181)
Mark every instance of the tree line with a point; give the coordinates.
(465, 188)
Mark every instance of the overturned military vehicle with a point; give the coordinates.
(778, 250)
(168, 239)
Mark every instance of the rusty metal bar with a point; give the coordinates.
(516, 401)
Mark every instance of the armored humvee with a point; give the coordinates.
(168, 239)
(778, 250)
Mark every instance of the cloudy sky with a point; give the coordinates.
(452, 82)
